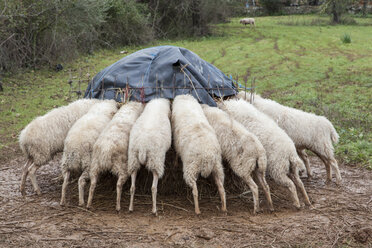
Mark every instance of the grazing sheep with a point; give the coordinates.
(249, 21)
(149, 141)
(110, 152)
(196, 143)
(242, 150)
(79, 144)
(308, 131)
(44, 137)
(282, 159)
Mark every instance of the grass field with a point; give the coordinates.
(295, 63)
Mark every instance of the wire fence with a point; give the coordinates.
(127, 93)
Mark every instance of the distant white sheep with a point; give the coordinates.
(307, 130)
(196, 143)
(242, 150)
(150, 139)
(282, 159)
(110, 152)
(44, 137)
(79, 144)
(249, 21)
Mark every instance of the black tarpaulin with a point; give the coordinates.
(163, 71)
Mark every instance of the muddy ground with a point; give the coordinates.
(342, 216)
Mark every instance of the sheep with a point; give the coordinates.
(79, 144)
(150, 139)
(196, 143)
(282, 159)
(249, 21)
(307, 130)
(242, 150)
(110, 152)
(43, 138)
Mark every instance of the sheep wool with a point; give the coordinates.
(196, 143)
(282, 159)
(110, 152)
(44, 137)
(79, 144)
(242, 150)
(150, 139)
(307, 130)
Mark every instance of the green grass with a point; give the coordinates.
(304, 66)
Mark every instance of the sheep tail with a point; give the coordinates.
(207, 166)
(142, 156)
(334, 135)
(262, 163)
(296, 164)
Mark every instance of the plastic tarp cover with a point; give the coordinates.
(163, 71)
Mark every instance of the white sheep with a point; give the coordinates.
(150, 139)
(249, 21)
(79, 144)
(307, 130)
(43, 138)
(242, 150)
(282, 159)
(196, 143)
(110, 152)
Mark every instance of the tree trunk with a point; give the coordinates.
(336, 16)
(364, 10)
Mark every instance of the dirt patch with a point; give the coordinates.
(342, 216)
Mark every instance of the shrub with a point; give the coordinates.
(272, 7)
(40, 31)
(346, 39)
(127, 22)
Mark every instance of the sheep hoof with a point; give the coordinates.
(310, 207)
(38, 192)
(197, 213)
(81, 204)
(155, 213)
(23, 192)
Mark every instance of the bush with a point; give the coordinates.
(42, 31)
(272, 7)
(127, 22)
(184, 18)
(346, 39)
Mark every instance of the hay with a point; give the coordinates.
(172, 183)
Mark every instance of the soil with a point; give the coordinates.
(341, 217)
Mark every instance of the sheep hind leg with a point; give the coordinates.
(24, 176)
(119, 188)
(261, 178)
(296, 179)
(132, 190)
(31, 171)
(221, 190)
(82, 181)
(253, 186)
(93, 184)
(154, 190)
(327, 165)
(66, 177)
(287, 182)
(333, 164)
(195, 195)
(305, 158)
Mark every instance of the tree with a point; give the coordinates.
(336, 8)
